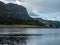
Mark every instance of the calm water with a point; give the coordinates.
(48, 37)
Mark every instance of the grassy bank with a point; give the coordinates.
(22, 26)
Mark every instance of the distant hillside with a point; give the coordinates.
(56, 23)
(49, 22)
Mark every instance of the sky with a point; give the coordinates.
(45, 9)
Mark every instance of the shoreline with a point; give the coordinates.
(23, 26)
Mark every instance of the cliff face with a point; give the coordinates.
(17, 10)
(3, 8)
(5, 15)
(12, 13)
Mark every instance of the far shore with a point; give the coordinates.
(23, 26)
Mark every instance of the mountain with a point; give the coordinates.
(15, 14)
(5, 15)
(14, 10)
(18, 10)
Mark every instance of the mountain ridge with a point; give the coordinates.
(16, 14)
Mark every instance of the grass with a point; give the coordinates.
(18, 26)
(23, 26)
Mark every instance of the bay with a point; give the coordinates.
(45, 36)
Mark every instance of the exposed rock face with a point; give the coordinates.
(12, 13)
(3, 8)
(18, 10)
(5, 15)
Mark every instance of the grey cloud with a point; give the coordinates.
(7, 1)
(46, 6)
(43, 6)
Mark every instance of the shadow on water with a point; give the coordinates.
(9, 37)
(15, 39)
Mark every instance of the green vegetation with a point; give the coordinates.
(22, 26)
(7, 20)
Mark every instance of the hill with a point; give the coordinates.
(15, 14)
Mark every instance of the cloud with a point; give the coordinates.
(47, 9)
(43, 6)
(8, 1)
